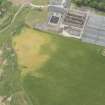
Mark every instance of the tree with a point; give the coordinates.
(98, 4)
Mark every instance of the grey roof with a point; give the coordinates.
(96, 21)
(95, 30)
(59, 2)
(57, 9)
(55, 6)
(55, 2)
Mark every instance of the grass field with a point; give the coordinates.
(35, 16)
(74, 75)
(30, 47)
(72, 72)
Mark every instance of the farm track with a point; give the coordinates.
(18, 11)
(12, 21)
(39, 6)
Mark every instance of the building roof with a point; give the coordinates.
(62, 3)
(95, 30)
(59, 6)
(58, 2)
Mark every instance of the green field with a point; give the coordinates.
(72, 74)
(35, 16)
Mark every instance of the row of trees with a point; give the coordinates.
(98, 4)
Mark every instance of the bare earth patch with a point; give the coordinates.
(29, 46)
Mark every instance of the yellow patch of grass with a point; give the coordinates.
(29, 48)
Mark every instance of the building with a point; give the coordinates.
(94, 31)
(57, 10)
(74, 22)
(60, 6)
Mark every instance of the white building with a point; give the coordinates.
(57, 10)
